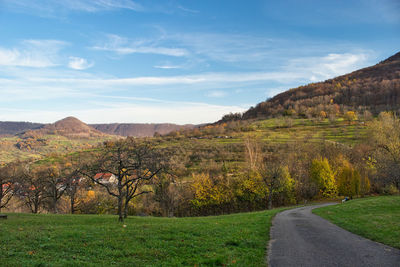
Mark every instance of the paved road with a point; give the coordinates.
(300, 238)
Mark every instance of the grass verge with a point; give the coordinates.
(376, 218)
(93, 240)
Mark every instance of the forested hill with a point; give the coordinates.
(375, 88)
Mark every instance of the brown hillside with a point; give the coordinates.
(376, 88)
(69, 127)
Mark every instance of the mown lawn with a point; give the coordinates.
(376, 218)
(94, 240)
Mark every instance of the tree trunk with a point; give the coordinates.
(54, 208)
(126, 209)
(1, 194)
(270, 201)
(72, 204)
(120, 215)
(36, 208)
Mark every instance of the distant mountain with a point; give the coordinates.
(12, 127)
(139, 129)
(375, 88)
(72, 127)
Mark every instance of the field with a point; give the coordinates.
(283, 130)
(272, 131)
(53, 144)
(92, 240)
(376, 218)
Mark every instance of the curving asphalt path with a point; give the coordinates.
(300, 238)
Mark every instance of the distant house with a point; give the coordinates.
(106, 178)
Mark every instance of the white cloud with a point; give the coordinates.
(78, 63)
(32, 53)
(329, 66)
(124, 46)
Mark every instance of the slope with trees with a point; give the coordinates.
(373, 89)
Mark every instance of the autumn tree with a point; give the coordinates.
(348, 180)
(350, 116)
(210, 191)
(133, 163)
(384, 135)
(323, 176)
(276, 178)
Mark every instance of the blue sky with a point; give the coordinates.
(178, 61)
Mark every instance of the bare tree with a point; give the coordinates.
(253, 153)
(133, 164)
(54, 185)
(165, 193)
(72, 182)
(7, 179)
(273, 176)
(31, 188)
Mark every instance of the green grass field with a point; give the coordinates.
(376, 218)
(93, 240)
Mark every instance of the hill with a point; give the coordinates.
(69, 127)
(139, 129)
(64, 136)
(375, 88)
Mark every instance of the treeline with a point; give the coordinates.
(164, 178)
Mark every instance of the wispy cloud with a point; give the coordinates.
(216, 94)
(206, 78)
(78, 63)
(167, 67)
(123, 46)
(53, 7)
(32, 53)
(188, 9)
(227, 47)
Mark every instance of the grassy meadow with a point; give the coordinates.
(376, 218)
(93, 240)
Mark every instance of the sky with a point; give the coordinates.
(125, 61)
